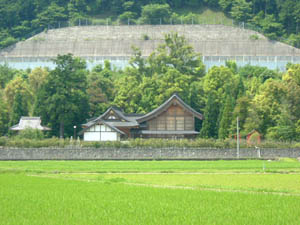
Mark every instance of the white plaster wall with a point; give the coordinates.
(100, 133)
(91, 136)
(109, 136)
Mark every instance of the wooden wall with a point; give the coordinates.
(175, 118)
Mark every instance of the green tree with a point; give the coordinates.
(268, 103)
(63, 100)
(6, 74)
(17, 86)
(217, 81)
(127, 17)
(100, 90)
(241, 10)
(241, 110)
(128, 92)
(226, 118)
(176, 53)
(51, 16)
(211, 112)
(285, 129)
(19, 108)
(4, 117)
(172, 67)
(154, 13)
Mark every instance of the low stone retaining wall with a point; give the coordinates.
(140, 153)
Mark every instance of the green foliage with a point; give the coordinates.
(276, 19)
(226, 118)
(241, 10)
(19, 109)
(254, 37)
(146, 37)
(50, 16)
(4, 117)
(172, 67)
(155, 13)
(63, 99)
(127, 17)
(6, 74)
(100, 90)
(29, 133)
(211, 113)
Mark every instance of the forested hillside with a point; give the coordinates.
(263, 99)
(277, 19)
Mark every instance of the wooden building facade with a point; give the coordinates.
(173, 119)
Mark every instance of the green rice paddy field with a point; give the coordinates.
(150, 192)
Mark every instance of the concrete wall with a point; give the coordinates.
(117, 41)
(140, 153)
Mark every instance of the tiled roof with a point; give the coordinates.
(29, 122)
(166, 104)
(102, 122)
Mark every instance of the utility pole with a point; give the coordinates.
(237, 138)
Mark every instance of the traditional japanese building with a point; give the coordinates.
(29, 122)
(173, 119)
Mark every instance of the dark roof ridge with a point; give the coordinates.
(120, 113)
(105, 123)
(165, 104)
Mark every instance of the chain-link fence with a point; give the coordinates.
(153, 21)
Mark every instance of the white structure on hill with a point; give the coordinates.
(29, 122)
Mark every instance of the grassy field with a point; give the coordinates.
(150, 192)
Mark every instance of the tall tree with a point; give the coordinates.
(226, 118)
(211, 112)
(63, 99)
(4, 117)
(19, 109)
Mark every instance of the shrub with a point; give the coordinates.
(3, 141)
(146, 37)
(127, 17)
(7, 42)
(30, 133)
(155, 13)
(254, 37)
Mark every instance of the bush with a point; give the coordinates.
(146, 37)
(254, 37)
(155, 13)
(3, 141)
(29, 133)
(7, 42)
(143, 143)
(127, 17)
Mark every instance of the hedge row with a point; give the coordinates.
(135, 143)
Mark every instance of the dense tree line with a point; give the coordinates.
(276, 18)
(264, 100)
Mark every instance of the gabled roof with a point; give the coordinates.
(116, 110)
(129, 119)
(166, 105)
(29, 122)
(101, 122)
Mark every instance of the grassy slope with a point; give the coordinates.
(206, 15)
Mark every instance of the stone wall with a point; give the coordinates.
(140, 153)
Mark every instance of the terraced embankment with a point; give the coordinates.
(217, 43)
